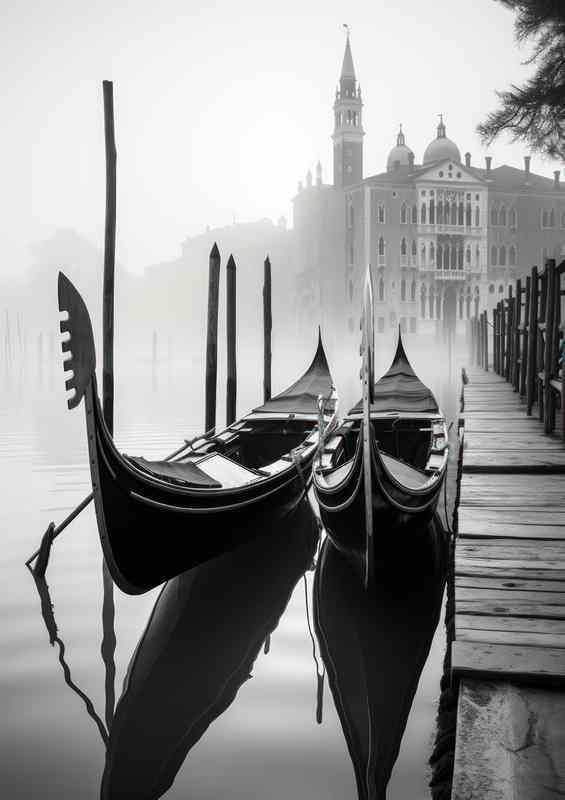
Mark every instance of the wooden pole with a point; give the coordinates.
(485, 325)
(502, 338)
(532, 341)
(516, 360)
(231, 386)
(549, 416)
(212, 339)
(267, 328)
(509, 329)
(108, 639)
(525, 339)
(494, 324)
(542, 319)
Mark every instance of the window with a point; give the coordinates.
(381, 252)
(477, 217)
(403, 216)
(512, 256)
(446, 212)
(414, 248)
(432, 253)
(502, 256)
(477, 256)
(468, 256)
(415, 215)
(460, 258)
(423, 302)
(403, 289)
(552, 218)
(381, 215)
(468, 215)
(460, 215)
(439, 256)
(403, 247)
(544, 219)
(454, 213)
(513, 218)
(440, 213)
(432, 212)
(461, 306)
(381, 290)
(413, 290)
(454, 258)
(502, 216)
(500, 289)
(423, 214)
(423, 254)
(491, 288)
(493, 256)
(381, 246)
(493, 216)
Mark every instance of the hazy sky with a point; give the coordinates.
(222, 107)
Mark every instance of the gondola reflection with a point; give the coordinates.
(375, 644)
(205, 631)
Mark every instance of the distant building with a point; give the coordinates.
(441, 236)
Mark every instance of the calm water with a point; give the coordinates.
(266, 743)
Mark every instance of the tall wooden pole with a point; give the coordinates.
(267, 328)
(231, 386)
(525, 339)
(212, 339)
(109, 640)
(548, 400)
(532, 341)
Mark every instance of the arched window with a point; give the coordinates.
(477, 216)
(381, 246)
(423, 214)
(453, 257)
(491, 288)
(460, 258)
(423, 255)
(468, 256)
(403, 247)
(552, 218)
(440, 212)
(413, 290)
(468, 304)
(468, 215)
(431, 304)
(512, 218)
(432, 211)
(493, 216)
(512, 256)
(500, 289)
(414, 248)
(454, 213)
(544, 219)
(403, 289)
(432, 253)
(477, 256)
(493, 256)
(403, 219)
(381, 215)
(502, 256)
(446, 212)
(439, 256)
(423, 302)
(381, 290)
(461, 214)
(414, 214)
(502, 216)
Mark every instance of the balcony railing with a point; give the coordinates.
(465, 230)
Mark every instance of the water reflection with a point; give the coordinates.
(205, 631)
(375, 645)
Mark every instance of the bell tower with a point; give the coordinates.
(348, 130)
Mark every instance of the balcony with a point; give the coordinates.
(461, 230)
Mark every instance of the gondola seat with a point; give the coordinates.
(183, 474)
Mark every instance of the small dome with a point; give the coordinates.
(401, 154)
(441, 147)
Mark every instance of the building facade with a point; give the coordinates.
(442, 236)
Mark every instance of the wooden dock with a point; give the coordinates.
(508, 654)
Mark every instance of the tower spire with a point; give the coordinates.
(347, 68)
(441, 134)
(348, 130)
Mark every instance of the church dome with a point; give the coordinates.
(441, 147)
(400, 155)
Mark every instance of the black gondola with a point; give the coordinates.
(375, 645)
(159, 518)
(386, 463)
(199, 647)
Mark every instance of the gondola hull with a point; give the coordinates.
(151, 531)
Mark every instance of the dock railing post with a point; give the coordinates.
(517, 333)
(231, 383)
(532, 341)
(502, 338)
(485, 325)
(542, 319)
(267, 329)
(212, 339)
(508, 342)
(525, 339)
(548, 399)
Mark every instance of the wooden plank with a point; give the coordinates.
(516, 441)
(476, 581)
(510, 596)
(492, 531)
(502, 424)
(510, 742)
(503, 609)
(521, 638)
(540, 462)
(507, 570)
(492, 415)
(554, 551)
(532, 664)
(512, 516)
(511, 490)
(507, 565)
(524, 624)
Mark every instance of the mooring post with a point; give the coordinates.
(517, 333)
(502, 337)
(231, 385)
(212, 339)
(494, 340)
(485, 323)
(508, 343)
(542, 320)
(267, 329)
